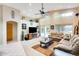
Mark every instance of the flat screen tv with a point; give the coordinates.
(32, 29)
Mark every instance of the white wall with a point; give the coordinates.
(45, 21)
(28, 24)
(5, 13)
(1, 25)
(6, 18)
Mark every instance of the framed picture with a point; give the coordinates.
(24, 26)
(12, 14)
(52, 27)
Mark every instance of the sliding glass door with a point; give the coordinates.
(45, 30)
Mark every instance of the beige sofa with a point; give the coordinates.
(71, 46)
(68, 42)
(57, 36)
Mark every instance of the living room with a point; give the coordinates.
(61, 29)
(51, 29)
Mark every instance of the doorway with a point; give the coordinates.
(11, 31)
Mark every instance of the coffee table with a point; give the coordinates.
(45, 44)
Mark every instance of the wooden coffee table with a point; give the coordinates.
(45, 51)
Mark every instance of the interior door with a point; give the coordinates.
(9, 31)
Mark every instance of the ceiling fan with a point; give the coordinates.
(42, 11)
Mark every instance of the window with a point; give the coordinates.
(67, 29)
(45, 30)
(67, 14)
(59, 28)
(64, 28)
(42, 30)
(59, 15)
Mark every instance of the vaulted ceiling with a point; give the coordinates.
(30, 9)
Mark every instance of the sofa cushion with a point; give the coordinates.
(74, 41)
(73, 37)
(64, 47)
(75, 48)
(70, 42)
(64, 42)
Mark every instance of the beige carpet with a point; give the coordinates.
(53, 45)
(47, 51)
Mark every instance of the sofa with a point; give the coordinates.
(57, 36)
(58, 52)
(68, 48)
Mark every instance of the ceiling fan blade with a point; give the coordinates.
(37, 14)
(46, 13)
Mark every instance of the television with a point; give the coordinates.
(32, 29)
